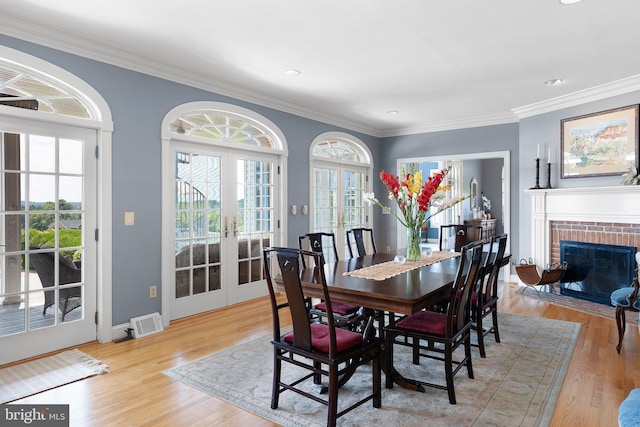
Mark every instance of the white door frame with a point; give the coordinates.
(168, 229)
(102, 123)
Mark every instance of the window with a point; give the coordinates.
(35, 91)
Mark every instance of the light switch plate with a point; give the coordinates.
(129, 218)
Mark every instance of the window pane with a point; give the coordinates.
(71, 155)
(42, 154)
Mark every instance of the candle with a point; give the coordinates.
(549, 156)
(538, 152)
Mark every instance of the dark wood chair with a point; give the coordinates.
(484, 301)
(348, 315)
(626, 299)
(444, 331)
(326, 350)
(322, 242)
(454, 236)
(69, 298)
(355, 237)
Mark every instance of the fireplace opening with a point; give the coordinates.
(595, 270)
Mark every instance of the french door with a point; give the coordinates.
(224, 215)
(338, 204)
(47, 243)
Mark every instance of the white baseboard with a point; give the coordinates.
(119, 331)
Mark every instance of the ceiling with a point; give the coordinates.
(437, 64)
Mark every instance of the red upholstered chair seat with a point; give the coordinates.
(429, 322)
(339, 308)
(345, 339)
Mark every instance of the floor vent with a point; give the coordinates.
(146, 325)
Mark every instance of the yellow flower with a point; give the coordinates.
(415, 183)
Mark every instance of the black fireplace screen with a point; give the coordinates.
(595, 270)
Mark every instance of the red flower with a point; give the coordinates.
(429, 187)
(391, 181)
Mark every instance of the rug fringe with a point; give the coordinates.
(90, 362)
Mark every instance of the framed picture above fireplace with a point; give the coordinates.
(599, 144)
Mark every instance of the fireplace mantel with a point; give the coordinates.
(619, 204)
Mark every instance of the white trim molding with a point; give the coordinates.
(617, 204)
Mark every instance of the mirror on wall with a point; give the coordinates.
(473, 194)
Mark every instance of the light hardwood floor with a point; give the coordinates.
(137, 393)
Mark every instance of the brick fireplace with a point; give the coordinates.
(608, 233)
(609, 215)
(600, 225)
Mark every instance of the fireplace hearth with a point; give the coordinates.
(595, 270)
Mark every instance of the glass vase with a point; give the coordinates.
(413, 244)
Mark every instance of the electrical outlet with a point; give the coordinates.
(153, 291)
(388, 249)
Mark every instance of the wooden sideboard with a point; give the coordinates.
(488, 228)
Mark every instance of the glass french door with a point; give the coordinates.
(47, 244)
(337, 199)
(224, 215)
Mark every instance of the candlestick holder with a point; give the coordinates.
(537, 186)
(549, 175)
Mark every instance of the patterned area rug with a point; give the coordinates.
(26, 379)
(516, 385)
(594, 308)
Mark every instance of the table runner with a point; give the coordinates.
(391, 268)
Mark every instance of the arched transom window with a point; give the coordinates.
(35, 92)
(223, 127)
(340, 148)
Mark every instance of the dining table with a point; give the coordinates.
(407, 292)
(423, 284)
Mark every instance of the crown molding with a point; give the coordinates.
(65, 42)
(471, 122)
(618, 87)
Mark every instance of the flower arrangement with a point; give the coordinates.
(418, 201)
(486, 203)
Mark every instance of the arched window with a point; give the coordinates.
(228, 125)
(340, 170)
(34, 90)
(51, 125)
(340, 148)
(223, 206)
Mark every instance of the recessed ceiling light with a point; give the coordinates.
(292, 72)
(554, 82)
(570, 1)
(391, 112)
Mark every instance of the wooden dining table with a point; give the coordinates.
(405, 293)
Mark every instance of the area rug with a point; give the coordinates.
(578, 304)
(39, 375)
(516, 385)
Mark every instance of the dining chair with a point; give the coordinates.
(355, 237)
(347, 315)
(484, 300)
(453, 237)
(322, 242)
(444, 331)
(321, 349)
(626, 299)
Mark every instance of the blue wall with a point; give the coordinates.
(139, 103)
(544, 129)
(460, 141)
